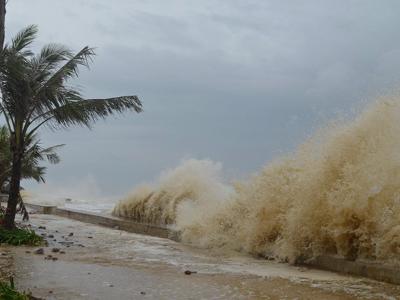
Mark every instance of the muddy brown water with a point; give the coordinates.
(101, 263)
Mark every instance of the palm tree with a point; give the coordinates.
(34, 155)
(35, 93)
(31, 168)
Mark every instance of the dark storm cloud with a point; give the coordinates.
(234, 81)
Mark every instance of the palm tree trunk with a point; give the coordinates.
(2, 21)
(13, 195)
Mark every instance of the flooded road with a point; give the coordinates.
(102, 263)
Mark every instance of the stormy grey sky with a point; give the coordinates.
(234, 81)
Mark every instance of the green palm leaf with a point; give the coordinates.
(23, 39)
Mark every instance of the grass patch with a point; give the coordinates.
(19, 236)
(8, 292)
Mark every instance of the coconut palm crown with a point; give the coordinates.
(35, 93)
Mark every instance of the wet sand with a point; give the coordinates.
(101, 263)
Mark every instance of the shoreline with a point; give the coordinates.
(367, 269)
(96, 262)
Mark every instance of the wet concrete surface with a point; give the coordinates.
(102, 263)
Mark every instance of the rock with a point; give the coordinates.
(42, 227)
(66, 243)
(62, 252)
(39, 251)
(50, 257)
(187, 272)
(89, 237)
(142, 293)
(55, 250)
(51, 236)
(71, 234)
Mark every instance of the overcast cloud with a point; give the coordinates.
(233, 81)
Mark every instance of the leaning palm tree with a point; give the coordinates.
(32, 168)
(35, 93)
(31, 163)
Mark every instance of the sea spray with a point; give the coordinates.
(339, 193)
(194, 185)
(79, 194)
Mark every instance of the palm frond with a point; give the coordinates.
(36, 173)
(24, 38)
(84, 112)
(104, 107)
(71, 67)
(51, 56)
(49, 91)
(51, 154)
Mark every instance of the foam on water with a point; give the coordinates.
(338, 193)
(84, 195)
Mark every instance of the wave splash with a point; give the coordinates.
(339, 193)
(195, 184)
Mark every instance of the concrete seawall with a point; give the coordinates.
(106, 221)
(369, 269)
(117, 223)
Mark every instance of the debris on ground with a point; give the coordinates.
(39, 251)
